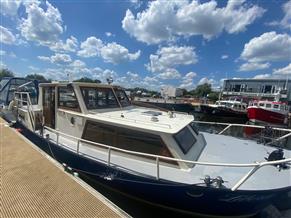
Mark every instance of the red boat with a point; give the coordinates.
(268, 112)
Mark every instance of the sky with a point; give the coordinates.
(147, 44)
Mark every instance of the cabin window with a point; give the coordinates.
(255, 104)
(276, 106)
(268, 105)
(125, 139)
(67, 98)
(261, 104)
(98, 98)
(185, 139)
(282, 107)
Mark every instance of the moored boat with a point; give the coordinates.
(164, 104)
(232, 107)
(268, 112)
(155, 156)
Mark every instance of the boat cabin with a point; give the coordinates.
(9, 85)
(271, 105)
(103, 114)
(232, 103)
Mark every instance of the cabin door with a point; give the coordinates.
(49, 106)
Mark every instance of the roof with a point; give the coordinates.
(140, 118)
(257, 80)
(100, 85)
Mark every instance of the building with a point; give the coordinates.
(169, 91)
(258, 88)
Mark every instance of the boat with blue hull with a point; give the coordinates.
(153, 156)
(192, 199)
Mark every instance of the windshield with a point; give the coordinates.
(3, 82)
(101, 98)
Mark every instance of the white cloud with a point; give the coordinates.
(283, 71)
(132, 76)
(91, 47)
(6, 36)
(111, 52)
(70, 45)
(252, 66)
(286, 20)
(269, 46)
(169, 74)
(58, 58)
(205, 80)
(187, 81)
(164, 20)
(115, 53)
(9, 7)
(166, 58)
(2, 53)
(109, 34)
(262, 76)
(61, 58)
(42, 26)
(3, 65)
(78, 64)
(44, 58)
(224, 56)
(33, 68)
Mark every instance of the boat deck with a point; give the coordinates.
(33, 186)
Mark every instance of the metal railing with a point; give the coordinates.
(28, 104)
(255, 166)
(229, 125)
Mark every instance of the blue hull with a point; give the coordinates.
(193, 199)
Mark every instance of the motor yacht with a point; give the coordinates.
(155, 156)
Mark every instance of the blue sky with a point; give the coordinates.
(147, 43)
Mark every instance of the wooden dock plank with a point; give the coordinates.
(32, 186)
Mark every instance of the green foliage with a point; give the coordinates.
(213, 96)
(201, 90)
(38, 77)
(87, 80)
(6, 73)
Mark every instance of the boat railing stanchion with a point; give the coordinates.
(248, 175)
(226, 128)
(109, 156)
(158, 167)
(78, 146)
(58, 135)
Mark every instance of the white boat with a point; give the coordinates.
(154, 156)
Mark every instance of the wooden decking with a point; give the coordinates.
(33, 186)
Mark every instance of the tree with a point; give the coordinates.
(6, 73)
(87, 80)
(38, 77)
(202, 90)
(213, 96)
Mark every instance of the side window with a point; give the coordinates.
(125, 139)
(276, 106)
(67, 99)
